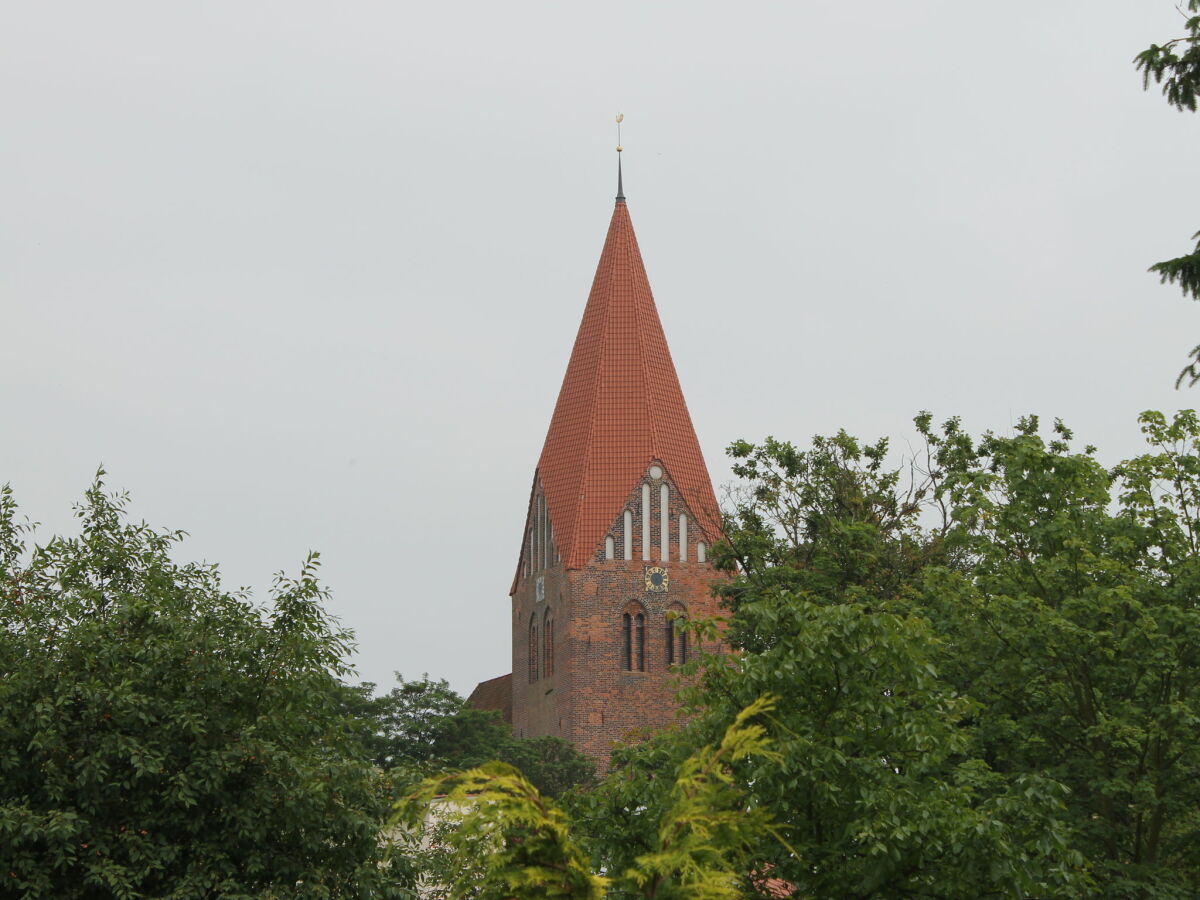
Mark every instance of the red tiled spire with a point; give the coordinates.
(620, 408)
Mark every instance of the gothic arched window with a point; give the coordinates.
(533, 649)
(547, 644)
(626, 640)
(639, 642)
(677, 638)
(633, 638)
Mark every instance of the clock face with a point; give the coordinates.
(657, 579)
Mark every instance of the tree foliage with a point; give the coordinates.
(1076, 631)
(877, 787)
(985, 672)
(423, 726)
(162, 737)
(982, 674)
(500, 838)
(1175, 66)
(708, 830)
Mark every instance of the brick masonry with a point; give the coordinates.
(589, 698)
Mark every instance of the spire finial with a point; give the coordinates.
(620, 183)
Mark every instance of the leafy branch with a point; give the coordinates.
(1176, 66)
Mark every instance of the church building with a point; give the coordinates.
(621, 516)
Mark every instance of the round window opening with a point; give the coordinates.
(656, 472)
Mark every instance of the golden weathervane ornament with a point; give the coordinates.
(620, 119)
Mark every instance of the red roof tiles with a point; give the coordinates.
(620, 408)
(495, 693)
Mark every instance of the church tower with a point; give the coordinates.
(621, 516)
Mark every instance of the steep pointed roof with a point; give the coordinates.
(619, 409)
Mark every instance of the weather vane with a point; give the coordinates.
(620, 119)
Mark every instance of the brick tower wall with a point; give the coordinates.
(590, 699)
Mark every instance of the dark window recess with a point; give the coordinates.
(626, 640)
(548, 648)
(639, 625)
(533, 651)
(677, 643)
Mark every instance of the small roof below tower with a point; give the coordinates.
(495, 693)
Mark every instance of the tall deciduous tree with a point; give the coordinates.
(162, 737)
(1076, 630)
(987, 678)
(878, 786)
(1176, 66)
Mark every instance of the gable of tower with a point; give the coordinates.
(656, 524)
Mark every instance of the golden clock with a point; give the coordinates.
(657, 579)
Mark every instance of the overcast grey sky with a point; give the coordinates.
(306, 275)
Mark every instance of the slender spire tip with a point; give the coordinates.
(620, 182)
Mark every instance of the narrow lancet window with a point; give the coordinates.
(628, 534)
(700, 552)
(645, 521)
(633, 638)
(626, 640)
(682, 537)
(664, 522)
(610, 547)
(676, 636)
(547, 644)
(533, 650)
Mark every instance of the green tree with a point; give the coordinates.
(1176, 66)
(617, 820)
(550, 763)
(495, 837)
(500, 838)
(422, 723)
(1077, 633)
(987, 676)
(162, 737)
(878, 786)
(424, 726)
